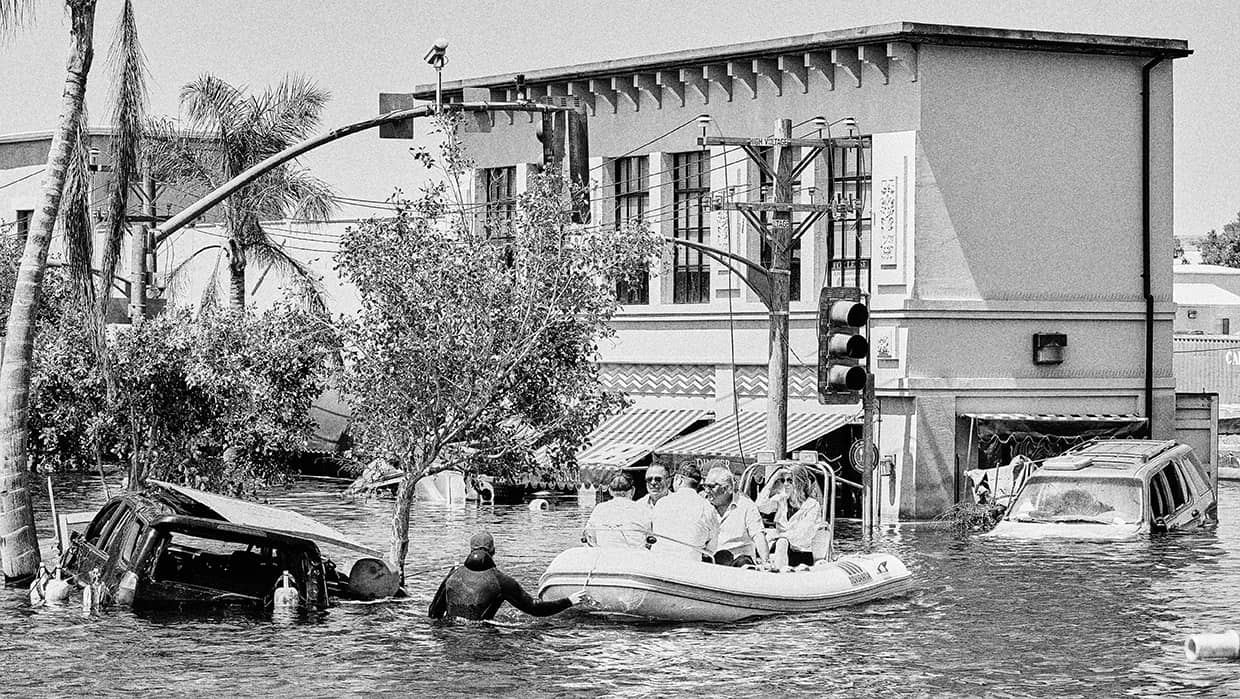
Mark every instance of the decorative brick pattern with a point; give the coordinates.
(802, 381)
(660, 379)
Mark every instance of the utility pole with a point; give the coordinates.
(138, 253)
(780, 235)
(867, 460)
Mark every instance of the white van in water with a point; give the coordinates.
(1113, 489)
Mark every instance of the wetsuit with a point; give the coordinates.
(477, 589)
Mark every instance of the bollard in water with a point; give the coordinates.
(1208, 646)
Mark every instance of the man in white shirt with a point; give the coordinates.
(619, 522)
(658, 484)
(742, 540)
(684, 523)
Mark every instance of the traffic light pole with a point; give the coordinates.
(867, 460)
(780, 236)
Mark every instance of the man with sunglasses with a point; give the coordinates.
(741, 537)
(684, 524)
(657, 485)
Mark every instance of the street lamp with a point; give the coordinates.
(437, 57)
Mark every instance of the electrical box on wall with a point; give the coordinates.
(1049, 348)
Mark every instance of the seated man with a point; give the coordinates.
(620, 521)
(741, 538)
(684, 523)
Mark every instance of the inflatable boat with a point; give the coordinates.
(637, 582)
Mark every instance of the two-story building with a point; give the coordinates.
(1005, 199)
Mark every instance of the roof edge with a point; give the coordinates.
(913, 32)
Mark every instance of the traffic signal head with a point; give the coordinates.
(842, 349)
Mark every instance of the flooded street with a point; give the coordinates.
(990, 618)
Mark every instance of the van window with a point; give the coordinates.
(101, 523)
(129, 538)
(1160, 500)
(1175, 486)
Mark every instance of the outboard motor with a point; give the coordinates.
(286, 595)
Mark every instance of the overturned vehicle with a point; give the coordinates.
(174, 546)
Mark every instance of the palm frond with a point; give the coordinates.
(308, 286)
(179, 277)
(289, 192)
(291, 110)
(75, 220)
(128, 117)
(174, 155)
(212, 105)
(212, 293)
(13, 13)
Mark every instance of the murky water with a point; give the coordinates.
(989, 618)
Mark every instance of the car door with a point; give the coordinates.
(1203, 495)
(87, 552)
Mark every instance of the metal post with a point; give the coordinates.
(867, 458)
(137, 256)
(781, 283)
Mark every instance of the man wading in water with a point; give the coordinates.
(476, 589)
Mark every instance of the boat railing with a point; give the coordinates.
(825, 540)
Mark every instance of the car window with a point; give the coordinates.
(1175, 486)
(101, 523)
(129, 538)
(1192, 473)
(243, 568)
(1159, 498)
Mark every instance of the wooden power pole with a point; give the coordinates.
(780, 235)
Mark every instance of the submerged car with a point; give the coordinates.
(176, 546)
(1113, 489)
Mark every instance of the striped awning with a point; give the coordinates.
(1036, 417)
(745, 433)
(624, 439)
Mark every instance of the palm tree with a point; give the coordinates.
(225, 132)
(19, 546)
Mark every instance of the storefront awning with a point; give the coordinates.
(745, 433)
(625, 439)
(1000, 436)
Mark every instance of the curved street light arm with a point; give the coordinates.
(727, 259)
(253, 172)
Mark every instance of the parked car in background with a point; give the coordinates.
(1113, 489)
(175, 546)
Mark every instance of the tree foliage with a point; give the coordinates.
(475, 347)
(225, 132)
(1222, 249)
(219, 401)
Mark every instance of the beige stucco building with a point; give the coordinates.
(1011, 184)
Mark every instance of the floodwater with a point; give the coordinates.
(988, 619)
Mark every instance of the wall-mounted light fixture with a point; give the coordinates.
(1049, 348)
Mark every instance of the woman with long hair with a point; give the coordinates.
(795, 498)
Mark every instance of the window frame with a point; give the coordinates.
(631, 202)
(691, 269)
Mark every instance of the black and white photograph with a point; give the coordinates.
(619, 349)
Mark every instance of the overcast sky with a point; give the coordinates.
(357, 49)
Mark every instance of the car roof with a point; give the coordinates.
(1112, 458)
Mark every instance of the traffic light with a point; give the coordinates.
(566, 149)
(843, 350)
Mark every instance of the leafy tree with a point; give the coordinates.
(19, 547)
(1222, 249)
(219, 402)
(227, 131)
(471, 354)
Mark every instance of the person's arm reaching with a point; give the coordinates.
(516, 595)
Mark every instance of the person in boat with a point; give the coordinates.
(476, 589)
(742, 539)
(684, 523)
(793, 495)
(619, 522)
(658, 484)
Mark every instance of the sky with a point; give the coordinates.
(357, 49)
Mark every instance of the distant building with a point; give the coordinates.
(1001, 188)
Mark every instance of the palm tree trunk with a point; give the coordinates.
(19, 546)
(236, 276)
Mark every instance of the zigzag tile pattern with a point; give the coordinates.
(660, 379)
(751, 381)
